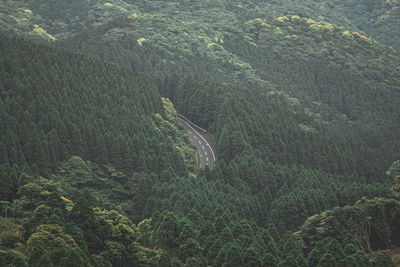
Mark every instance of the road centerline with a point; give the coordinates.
(201, 147)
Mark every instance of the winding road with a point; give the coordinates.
(199, 139)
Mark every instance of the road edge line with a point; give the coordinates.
(212, 151)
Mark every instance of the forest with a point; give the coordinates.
(301, 100)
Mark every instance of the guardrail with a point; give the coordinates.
(188, 121)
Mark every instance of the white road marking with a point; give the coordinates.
(202, 147)
(207, 158)
(212, 152)
(206, 153)
(199, 141)
(195, 137)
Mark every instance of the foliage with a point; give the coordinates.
(300, 99)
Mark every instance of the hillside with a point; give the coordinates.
(326, 76)
(378, 19)
(62, 19)
(300, 97)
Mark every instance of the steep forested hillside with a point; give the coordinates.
(282, 109)
(56, 104)
(379, 19)
(327, 78)
(60, 19)
(301, 98)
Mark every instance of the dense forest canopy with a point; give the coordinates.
(301, 99)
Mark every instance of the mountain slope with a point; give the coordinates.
(279, 92)
(379, 19)
(330, 76)
(61, 20)
(304, 114)
(55, 104)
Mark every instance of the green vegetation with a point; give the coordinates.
(377, 18)
(48, 228)
(57, 232)
(300, 97)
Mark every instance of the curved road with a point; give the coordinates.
(199, 139)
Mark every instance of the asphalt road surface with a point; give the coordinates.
(204, 150)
